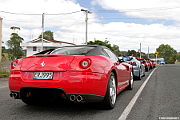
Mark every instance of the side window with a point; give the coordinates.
(111, 55)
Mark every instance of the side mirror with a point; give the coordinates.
(121, 60)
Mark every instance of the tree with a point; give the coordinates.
(178, 57)
(114, 48)
(98, 42)
(48, 35)
(132, 53)
(168, 53)
(15, 28)
(14, 45)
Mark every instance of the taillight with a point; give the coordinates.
(14, 64)
(85, 63)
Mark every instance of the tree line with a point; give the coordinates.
(15, 51)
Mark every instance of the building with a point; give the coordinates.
(34, 46)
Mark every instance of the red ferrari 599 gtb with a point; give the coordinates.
(87, 73)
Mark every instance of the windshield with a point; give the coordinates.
(127, 58)
(82, 50)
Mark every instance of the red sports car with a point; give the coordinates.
(146, 63)
(86, 73)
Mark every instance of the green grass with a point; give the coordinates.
(4, 74)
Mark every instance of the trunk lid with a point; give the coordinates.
(47, 63)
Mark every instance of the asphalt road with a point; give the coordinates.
(159, 98)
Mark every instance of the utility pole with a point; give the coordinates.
(140, 50)
(148, 52)
(86, 20)
(42, 34)
(156, 57)
(0, 38)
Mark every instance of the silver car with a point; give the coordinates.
(138, 67)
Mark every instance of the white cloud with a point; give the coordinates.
(30, 22)
(129, 35)
(71, 28)
(154, 9)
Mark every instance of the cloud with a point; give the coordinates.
(150, 9)
(129, 35)
(30, 23)
(71, 27)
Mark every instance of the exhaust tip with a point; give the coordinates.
(79, 98)
(72, 97)
(11, 94)
(15, 95)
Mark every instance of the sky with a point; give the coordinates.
(125, 23)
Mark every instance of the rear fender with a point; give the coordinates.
(99, 64)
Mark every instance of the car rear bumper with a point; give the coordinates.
(70, 82)
(59, 93)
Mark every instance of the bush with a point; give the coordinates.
(4, 74)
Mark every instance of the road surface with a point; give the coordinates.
(159, 98)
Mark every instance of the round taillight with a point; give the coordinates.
(85, 63)
(14, 64)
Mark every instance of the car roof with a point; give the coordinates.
(101, 46)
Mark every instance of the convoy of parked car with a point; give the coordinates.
(138, 67)
(86, 73)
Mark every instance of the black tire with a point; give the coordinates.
(109, 102)
(147, 69)
(131, 81)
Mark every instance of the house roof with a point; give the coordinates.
(55, 41)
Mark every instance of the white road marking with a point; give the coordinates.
(3, 87)
(128, 108)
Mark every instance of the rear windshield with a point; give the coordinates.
(82, 50)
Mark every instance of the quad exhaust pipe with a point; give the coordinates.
(72, 98)
(77, 98)
(15, 95)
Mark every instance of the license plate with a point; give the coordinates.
(43, 75)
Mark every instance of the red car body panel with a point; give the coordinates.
(68, 75)
(146, 63)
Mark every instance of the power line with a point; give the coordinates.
(64, 13)
(38, 14)
(96, 11)
(18, 13)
